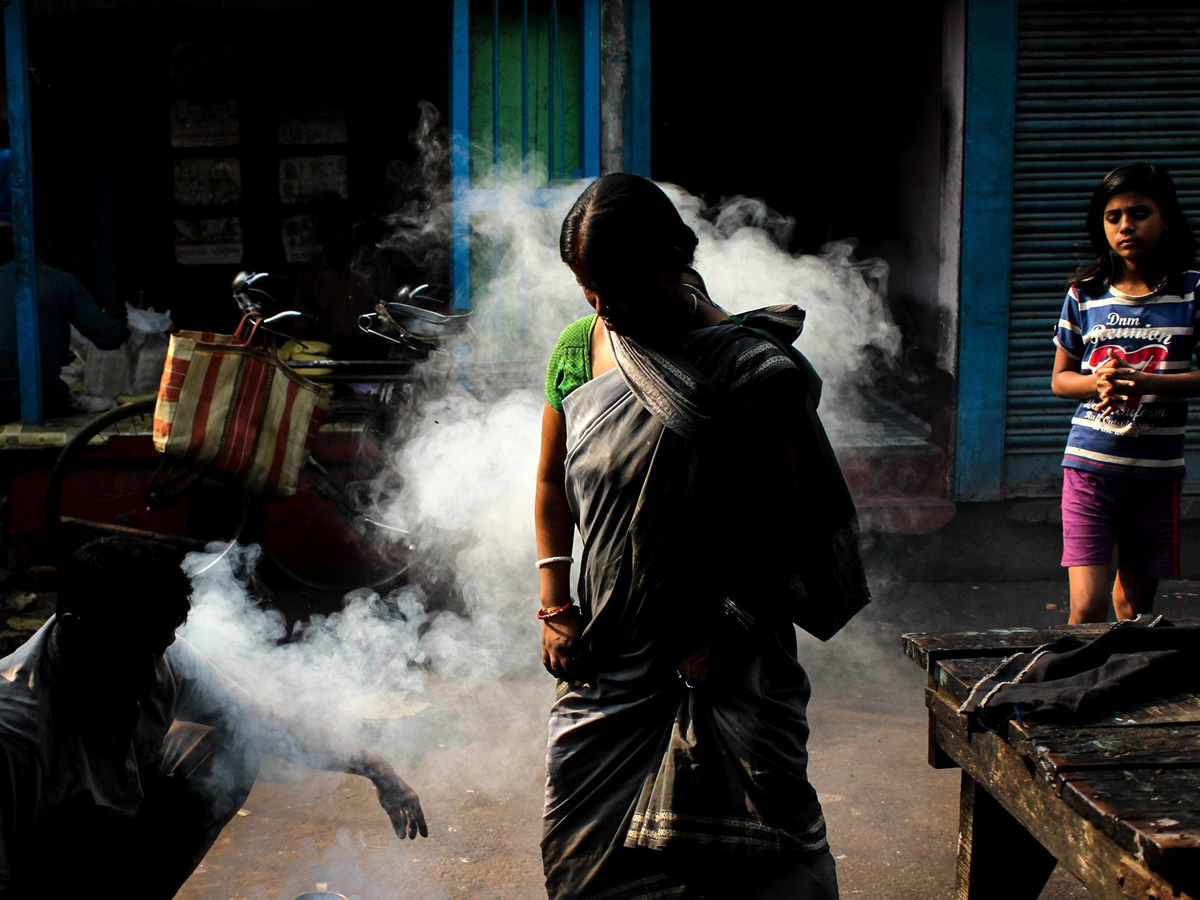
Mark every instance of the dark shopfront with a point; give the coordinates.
(117, 85)
(166, 137)
(175, 143)
(157, 125)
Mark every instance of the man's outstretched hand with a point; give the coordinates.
(325, 748)
(399, 801)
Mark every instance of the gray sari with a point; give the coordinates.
(657, 788)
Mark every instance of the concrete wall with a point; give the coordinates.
(953, 95)
(915, 251)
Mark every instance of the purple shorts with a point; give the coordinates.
(1139, 516)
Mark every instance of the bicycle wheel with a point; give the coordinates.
(331, 535)
(110, 480)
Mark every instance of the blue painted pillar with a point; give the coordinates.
(589, 133)
(460, 153)
(21, 172)
(637, 113)
(989, 121)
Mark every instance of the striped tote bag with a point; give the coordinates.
(232, 409)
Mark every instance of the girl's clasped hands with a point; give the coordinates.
(1116, 385)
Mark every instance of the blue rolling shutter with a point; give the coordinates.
(1098, 84)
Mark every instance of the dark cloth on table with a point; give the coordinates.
(1071, 677)
(137, 795)
(656, 788)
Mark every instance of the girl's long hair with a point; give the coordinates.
(1175, 252)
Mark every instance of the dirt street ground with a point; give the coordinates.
(892, 819)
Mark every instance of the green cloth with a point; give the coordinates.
(570, 361)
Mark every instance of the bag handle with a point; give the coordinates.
(247, 339)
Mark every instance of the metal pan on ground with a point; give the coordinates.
(385, 705)
(321, 895)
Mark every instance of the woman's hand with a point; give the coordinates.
(697, 668)
(555, 529)
(562, 649)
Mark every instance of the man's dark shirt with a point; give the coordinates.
(55, 752)
(62, 302)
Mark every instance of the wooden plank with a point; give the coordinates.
(945, 712)
(1153, 734)
(1152, 712)
(1087, 852)
(1058, 749)
(1171, 849)
(938, 759)
(956, 677)
(1109, 797)
(1154, 815)
(928, 648)
(989, 839)
(1138, 881)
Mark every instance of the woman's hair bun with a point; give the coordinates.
(624, 227)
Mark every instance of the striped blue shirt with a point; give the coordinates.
(1153, 333)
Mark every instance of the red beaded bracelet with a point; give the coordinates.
(549, 612)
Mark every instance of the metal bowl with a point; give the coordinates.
(320, 895)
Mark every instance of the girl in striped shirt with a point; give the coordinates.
(1125, 344)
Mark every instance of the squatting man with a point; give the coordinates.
(124, 751)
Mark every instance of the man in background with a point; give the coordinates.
(62, 302)
(123, 751)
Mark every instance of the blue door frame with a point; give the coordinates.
(989, 121)
(634, 119)
(21, 174)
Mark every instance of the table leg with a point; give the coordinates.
(997, 858)
(938, 758)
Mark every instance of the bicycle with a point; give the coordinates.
(336, 514)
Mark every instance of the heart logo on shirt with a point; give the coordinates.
(1146, 359)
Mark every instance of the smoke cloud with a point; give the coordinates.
(469, 463)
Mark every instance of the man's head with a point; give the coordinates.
(120, 600)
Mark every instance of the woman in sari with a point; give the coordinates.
(684, 445)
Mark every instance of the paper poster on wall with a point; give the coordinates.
(208, 182)
(305, 178)
(300, 238)
(207, 242)
(195, 124)
(318, 123)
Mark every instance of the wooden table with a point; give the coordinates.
(1115, 799)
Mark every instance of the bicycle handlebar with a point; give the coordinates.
(399, 321)
(243, 287)
(283, 315)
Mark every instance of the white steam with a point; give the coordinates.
(372, 646)
(469, 464)
(743, 260)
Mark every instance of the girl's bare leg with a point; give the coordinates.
(1091, 588)
(1132, 594)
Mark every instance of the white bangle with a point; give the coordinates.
(542, 563)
